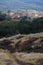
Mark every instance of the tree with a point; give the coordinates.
(2, 16)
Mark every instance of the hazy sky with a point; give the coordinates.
(21, 4)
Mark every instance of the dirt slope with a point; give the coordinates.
(22, 50)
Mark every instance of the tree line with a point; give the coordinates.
(24, 25)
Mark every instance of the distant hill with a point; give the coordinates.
(21, 4)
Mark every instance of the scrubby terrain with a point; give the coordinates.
(22, 49)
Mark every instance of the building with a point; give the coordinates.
(31, 13)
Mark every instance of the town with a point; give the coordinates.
(28, 13)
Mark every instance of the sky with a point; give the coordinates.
(21, 4)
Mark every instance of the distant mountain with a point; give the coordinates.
(21, 4)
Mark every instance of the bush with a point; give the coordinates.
(23, 25)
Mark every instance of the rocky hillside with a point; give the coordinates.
(22, 50)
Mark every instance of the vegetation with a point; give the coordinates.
(22, 50)
(24, 25)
